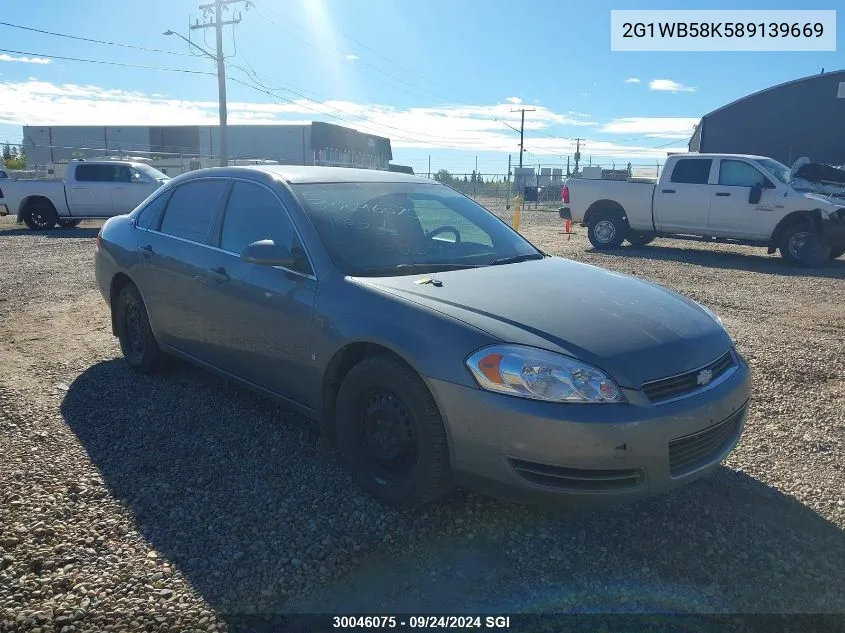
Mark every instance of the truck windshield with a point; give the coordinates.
(152, 172)
(776, 169)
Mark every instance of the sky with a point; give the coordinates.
(441, 78)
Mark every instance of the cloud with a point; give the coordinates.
(632, 80)
(656, 127)
(476, 128)
(514, 100)
(352, 57)
(25, 60)
(667, 85)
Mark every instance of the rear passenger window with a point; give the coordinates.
(150, 213)
(95, 173)
(191, 209)
(254, 213)
(692, 171)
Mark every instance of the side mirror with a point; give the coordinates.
(564, 213)
(267, 253)
(755, 194)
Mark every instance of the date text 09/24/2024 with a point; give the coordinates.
(458, 622)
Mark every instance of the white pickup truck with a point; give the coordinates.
(731, 198)
(90, 190)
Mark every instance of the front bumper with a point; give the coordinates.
(4, 210)
(529, 450)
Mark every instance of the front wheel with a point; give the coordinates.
(837, 252)
(801, 245)
(137, 341)
(69, 224)
(606, 229)
(391, 435)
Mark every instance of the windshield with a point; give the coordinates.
(151, 172)
(776, 169)
(382, 229)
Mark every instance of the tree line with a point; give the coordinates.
(13, 158)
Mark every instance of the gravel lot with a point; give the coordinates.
(179, 502)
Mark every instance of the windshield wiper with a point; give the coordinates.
(410, 269)
(516, 259)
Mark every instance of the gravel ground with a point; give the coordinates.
(179, 502)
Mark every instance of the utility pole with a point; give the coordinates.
(217, 7)
(522, 131)
(429, 166)
(577, 154)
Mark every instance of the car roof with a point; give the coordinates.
(298, 174)
(717, 155)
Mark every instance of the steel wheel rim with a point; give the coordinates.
(797, 243)
(39, 219)
(387, 435)
(134, 328)
(605, 230)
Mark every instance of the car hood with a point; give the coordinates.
(635, 330)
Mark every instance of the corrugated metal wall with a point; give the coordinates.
(801, 118)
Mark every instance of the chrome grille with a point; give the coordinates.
(687, 383)
(577, 479)
(693, 451)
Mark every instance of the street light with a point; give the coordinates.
(221, 85)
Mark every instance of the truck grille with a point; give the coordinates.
(687, 383)
(693, 451)
(577, 479)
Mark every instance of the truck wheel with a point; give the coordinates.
(837, 252)
(606, 229)
(69, 224)
(390, 434)
(801, 245)
(40, 215)
(635, 238)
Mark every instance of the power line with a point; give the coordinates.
(93, 40)
(107, 63)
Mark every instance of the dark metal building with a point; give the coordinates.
(805, 117)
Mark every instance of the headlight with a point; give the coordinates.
(538, 374)
(712, 314)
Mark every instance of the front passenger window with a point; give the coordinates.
(736, 173)
(254, 213)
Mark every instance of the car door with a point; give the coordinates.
(131, 188)
(258, 318)
(682, 200)
(731, 213)
(91, 190)
(171, 258)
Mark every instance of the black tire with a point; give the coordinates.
(137, 341)
(40, 215)
(606, 229)
(635, 238)
(390, 434)
(837, 252)
(69, 224)
(801, 245)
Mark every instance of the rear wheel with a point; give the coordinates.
(137, 341)
(606, 229)
(391, 435)
(801, 245)
(69, 224)
(837, 252)
(635, 238)
(40, 215)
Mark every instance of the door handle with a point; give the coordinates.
(78, 188)
(723, 194)
(218, 273)
(146, 250)
(117, 189)
(667, 191)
